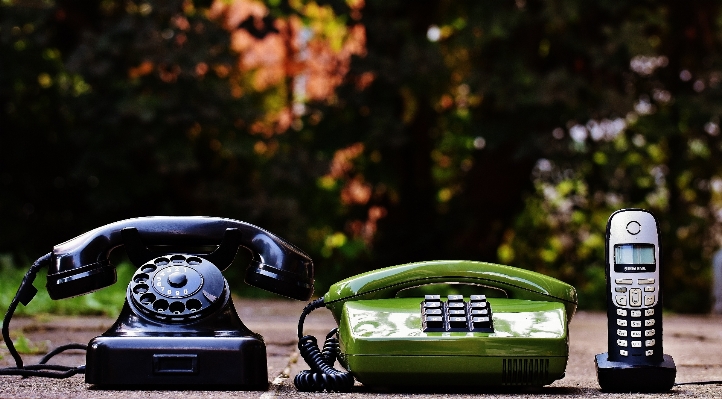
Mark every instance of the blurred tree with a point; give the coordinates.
(142, 108)
(655, 149)
(371, 132)
(609, 105)
(135, 109)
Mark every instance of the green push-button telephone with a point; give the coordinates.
(385, 341)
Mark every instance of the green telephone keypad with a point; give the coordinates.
(455, 314)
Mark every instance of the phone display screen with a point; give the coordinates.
(634, 258)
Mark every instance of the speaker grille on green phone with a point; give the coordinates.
(525, 371)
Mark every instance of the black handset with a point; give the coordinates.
(178, 326)
(82, 265)
(635, 360)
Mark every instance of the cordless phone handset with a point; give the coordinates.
(634, 306)
(635, 361)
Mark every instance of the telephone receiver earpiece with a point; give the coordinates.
(82, 265)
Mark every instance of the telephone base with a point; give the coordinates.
(237, 361)
(624, 377)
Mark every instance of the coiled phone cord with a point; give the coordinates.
(25, 293)
(322, 376)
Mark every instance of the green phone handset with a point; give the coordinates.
(385, 341)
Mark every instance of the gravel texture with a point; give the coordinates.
(694, 341)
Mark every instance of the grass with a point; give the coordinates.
(107, 301)
(25, 346)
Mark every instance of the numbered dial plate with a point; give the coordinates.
(177, 287)
(177, 281)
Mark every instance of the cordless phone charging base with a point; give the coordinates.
(634, 361)
(626, 377)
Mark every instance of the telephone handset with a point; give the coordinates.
(386, 341)
(635, 361)
(81, 265)
(178, 325)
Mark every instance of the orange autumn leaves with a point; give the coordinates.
(306, 56)
(288, 62)
(355, 191)
(316, 49)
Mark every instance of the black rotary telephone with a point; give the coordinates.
(178, 325)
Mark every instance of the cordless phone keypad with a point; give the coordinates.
(455, 314)
(638, 331)
(643, 293)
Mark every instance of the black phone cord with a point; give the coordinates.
(25, 294)
(322, 376)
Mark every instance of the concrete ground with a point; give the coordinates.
(694, 341)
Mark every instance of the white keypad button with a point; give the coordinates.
(648, 300)
(621, 312)
(635, 297)
(649, 323)
(636, 334)
(636, 313)
(649, 342)
(625, 281)
(649, 288)
(621, 300)
(643, 281)
(649, 312)
(622, 333)
(636, 323)
(636, 344)
(649, 352)
(623, 352)
(621, 342)
(649, 333)
(621, 322)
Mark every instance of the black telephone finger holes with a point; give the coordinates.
(147, 299)
(140, 289)
(193, 305)
(177, 288)
(177, 307)
(148, 268)
(160, 305)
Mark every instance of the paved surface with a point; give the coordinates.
(695, 343)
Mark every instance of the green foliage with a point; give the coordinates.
(493, 131)
(655, 155)
(107, 301)
(27, 347)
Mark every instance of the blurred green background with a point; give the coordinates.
(368, 132)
